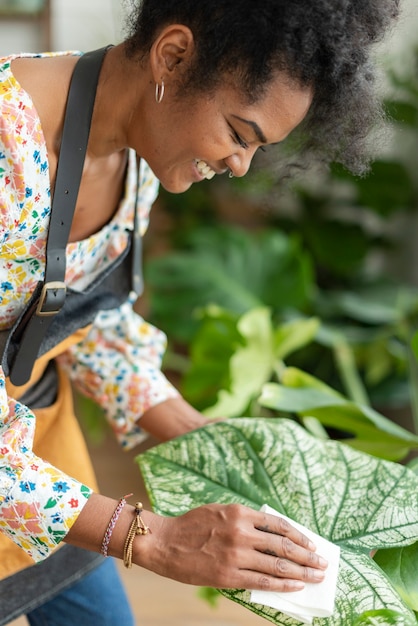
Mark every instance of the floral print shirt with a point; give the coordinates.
(118, 364)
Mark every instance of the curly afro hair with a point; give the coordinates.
(324, 44)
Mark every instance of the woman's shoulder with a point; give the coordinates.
(25, 58)
(21, 134)
(40, 75)
(23, 72)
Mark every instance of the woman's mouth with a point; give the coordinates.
(205, 170)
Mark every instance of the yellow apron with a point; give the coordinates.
(58, 440)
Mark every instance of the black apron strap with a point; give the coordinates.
(50, 295)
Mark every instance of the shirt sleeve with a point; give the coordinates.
(38, 503)
(118, 365)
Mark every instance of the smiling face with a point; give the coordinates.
(193, 135)
(195, 138)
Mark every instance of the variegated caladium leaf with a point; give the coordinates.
(357, 501)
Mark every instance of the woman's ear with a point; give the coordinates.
(173, 48)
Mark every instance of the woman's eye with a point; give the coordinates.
(240, 140)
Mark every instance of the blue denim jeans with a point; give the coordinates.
(97, 599)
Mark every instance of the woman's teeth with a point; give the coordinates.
(204, 169)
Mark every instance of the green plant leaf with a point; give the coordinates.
(294, 377)
(400, 564)
(384, 618)
(414, 344)
(403, 112)
(231, 268)
(296, 400)
(387, 189)
(214, 344)
(232, 357)
(294, 335)
(325, 237)
(250, 366)
(374, 305)
(356, 501)
(305, 396)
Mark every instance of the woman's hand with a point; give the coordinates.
(226, 546)
(229, 546)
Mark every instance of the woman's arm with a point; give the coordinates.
(171, 418)
(225, 546)
(118, 365)
(38, 502)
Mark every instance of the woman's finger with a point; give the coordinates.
(281, 567)
(280, 526)
(283, 547)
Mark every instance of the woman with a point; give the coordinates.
(195, 90)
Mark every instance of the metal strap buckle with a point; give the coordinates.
(54, 286)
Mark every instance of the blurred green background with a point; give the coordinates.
(324, 243)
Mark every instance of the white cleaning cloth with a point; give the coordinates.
(316, 599)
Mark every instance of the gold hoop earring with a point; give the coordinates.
(159, 92)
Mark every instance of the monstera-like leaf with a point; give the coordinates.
(357, 501)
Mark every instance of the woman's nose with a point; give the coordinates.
(239, 163)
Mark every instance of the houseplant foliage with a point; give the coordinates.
(229, 267)
(364, 428)
(384, 618)
(238, 271)
(324, 248)
(239, 368)
(246, 307)
(359, 502)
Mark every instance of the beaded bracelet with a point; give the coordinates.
(112, 524)
(137, 527)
